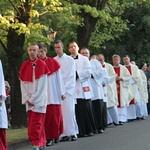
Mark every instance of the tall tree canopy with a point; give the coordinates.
(107, 26)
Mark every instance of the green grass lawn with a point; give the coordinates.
(15, 135)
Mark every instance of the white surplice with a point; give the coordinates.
(3, 113)
(36, 93)
(96, 81)
(112, 98)
(83, 89)
(55, 88)
(68, 105)
(105, 83)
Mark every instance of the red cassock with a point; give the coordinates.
(3, 143)
(53, 120)
(36, 132)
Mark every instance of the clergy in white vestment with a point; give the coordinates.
(105, 84)
(122, 83)
(3, 113)
(97, 87)
(56, 93)
(112, 98)
(68, 106)
(143, 91)
(83, 92)
(33, 81)
(134, 85)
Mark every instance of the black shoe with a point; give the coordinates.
(100, 131)
(116, 124)
(56, 141)
(109, 124)
(49, 142)
(137, 118)
(95, 132)
(65, 138)
(130, 120)
(73, 138)
(121, 123)
(90, 134)
(142, 118)
(42, 147)
(82, 135)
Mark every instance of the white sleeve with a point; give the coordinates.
(40, 92)
(85, 74)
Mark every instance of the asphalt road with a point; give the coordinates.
(130, 136)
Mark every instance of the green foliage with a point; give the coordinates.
(109, 26)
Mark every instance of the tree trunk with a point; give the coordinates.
(15, 53)
(84, 32)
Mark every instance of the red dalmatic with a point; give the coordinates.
(117, 70)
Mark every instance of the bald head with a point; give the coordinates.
(85, 52)
(101, 58)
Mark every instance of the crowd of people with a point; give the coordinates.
(74, 96)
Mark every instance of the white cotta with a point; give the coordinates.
(3, 113)
(83, 69)
(96, 81)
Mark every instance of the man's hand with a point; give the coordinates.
(63, 97)
(119, 79)
(1, 101)
(29, 103)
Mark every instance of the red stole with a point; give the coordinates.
(129, 69)
(52, 64)
(26, 70)
(117, 70)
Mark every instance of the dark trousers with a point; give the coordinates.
(85, 117)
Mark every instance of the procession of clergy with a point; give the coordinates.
(67, 97)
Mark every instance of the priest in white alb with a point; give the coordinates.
(112, 97)
(68, 106)
(83, 92)
(134, 85)
(122, 83)
(143, 91)
(96, 82)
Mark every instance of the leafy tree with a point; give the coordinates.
(136, 40)
(18, 20)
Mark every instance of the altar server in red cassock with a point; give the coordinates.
(33, 80)
(56, 93)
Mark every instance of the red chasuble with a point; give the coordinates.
(129, 69)
(52, 64)
(26, 70)
(117, 70)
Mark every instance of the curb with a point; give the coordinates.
(19, 144)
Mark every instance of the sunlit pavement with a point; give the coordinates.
(130, 136)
